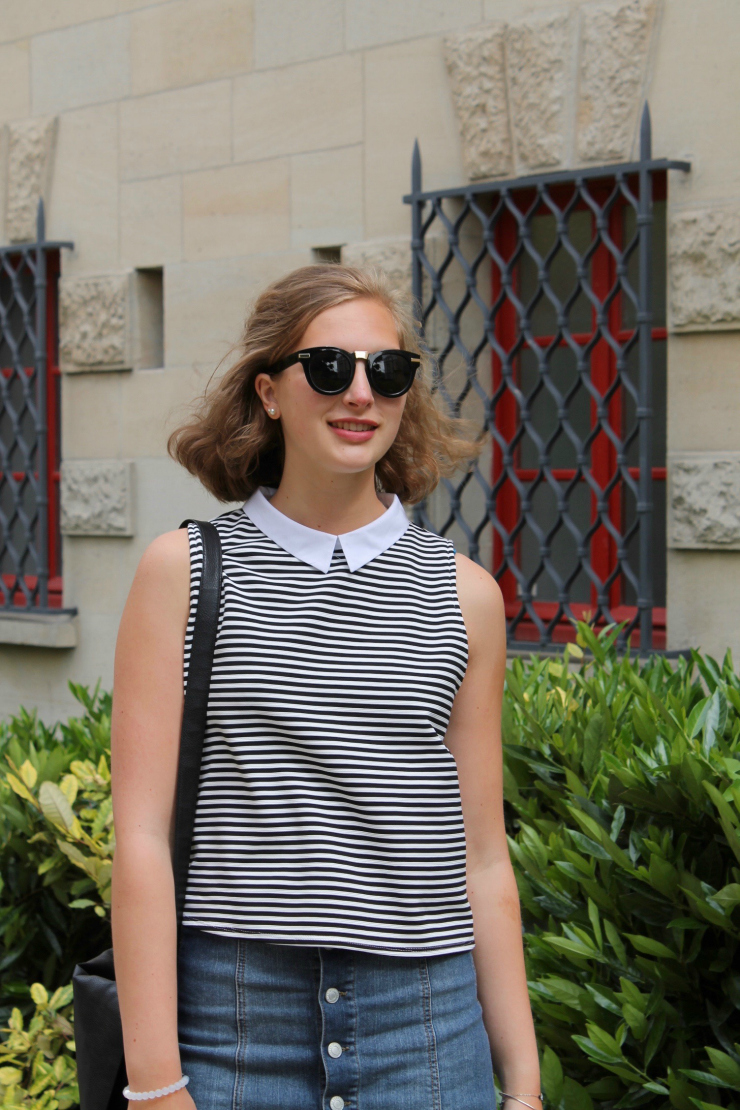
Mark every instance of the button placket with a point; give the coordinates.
(337, 1002)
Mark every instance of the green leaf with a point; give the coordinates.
(39, 994)
(636, 1021)
(616, 942)
(651, 947)
(552, 1076)
(55, 806)
(724, 1067)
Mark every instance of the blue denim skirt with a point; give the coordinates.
(282, 1027)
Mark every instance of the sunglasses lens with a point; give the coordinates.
(391, 373)
(330, 369)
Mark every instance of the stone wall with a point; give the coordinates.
(219, 141)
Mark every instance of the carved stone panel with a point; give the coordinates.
(704, 500)
(615, 39)
(94, 322)
(475, 63)
(537, 56)
(704, 269)
(392, 256)
(30, 155)
(96, 497)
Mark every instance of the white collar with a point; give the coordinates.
(315, 547)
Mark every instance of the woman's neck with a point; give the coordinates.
(335, 503)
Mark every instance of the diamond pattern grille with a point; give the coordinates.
(534, 299)
(24, 472)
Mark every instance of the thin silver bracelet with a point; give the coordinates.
(140, 1096)
(518, 1098)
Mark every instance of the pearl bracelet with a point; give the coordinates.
(139, 1096)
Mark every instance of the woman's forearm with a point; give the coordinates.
(502, 980)
(145, 946)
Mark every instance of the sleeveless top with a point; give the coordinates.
(329, 806)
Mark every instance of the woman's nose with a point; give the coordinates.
(359, 392)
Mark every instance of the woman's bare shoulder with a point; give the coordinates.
(164, 569)
(481, 602)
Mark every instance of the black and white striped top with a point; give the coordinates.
(329, 807)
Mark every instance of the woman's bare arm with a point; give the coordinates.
(474, 738)
(147, 714)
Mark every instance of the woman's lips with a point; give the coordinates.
(354, 433)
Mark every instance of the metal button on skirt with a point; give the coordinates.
(282, 1027)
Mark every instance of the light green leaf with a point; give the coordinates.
(28, 773)
(39, 994)
(55, 806)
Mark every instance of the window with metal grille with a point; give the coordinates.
(30, 546)
(543, 301)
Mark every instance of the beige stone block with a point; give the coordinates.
(704, 268)
(34, 17)
(152, 404)
(36, 678)
(83, 64)
(15, 80)
(704, 391)
(300, 108)
(476, 67)
(168, 132)
(615, 40)
(97, 497)
(135, 5)
(704, 500)
(83, 205)
(373, 22)
(286, 32)
(695, 98)
(206, 304)
(538, 63)
(189, 41)
(410, 99)
(704, 601)
(91, 415)
(151, 221)
(30, 154)
(44, 630)
(167, 495)
(236, 210)
(326, 197)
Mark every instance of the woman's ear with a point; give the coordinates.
(264, 387)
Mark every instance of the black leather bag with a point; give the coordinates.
(101, 1069)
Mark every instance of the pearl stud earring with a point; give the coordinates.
(271, 412)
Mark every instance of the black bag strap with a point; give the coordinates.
(196, 706)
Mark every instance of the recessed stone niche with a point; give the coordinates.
(704, 500)
(97, 497)
(111, 321)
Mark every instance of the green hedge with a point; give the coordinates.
(622, 786)
(623, 795)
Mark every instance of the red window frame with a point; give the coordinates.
(603, 362)
(53, 443)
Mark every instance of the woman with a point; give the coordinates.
(327, 957)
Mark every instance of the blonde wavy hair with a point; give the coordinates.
(232, 446)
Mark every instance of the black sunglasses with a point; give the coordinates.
(330, 370)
